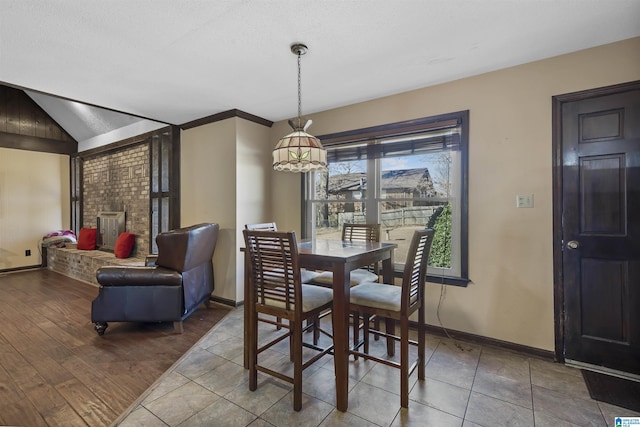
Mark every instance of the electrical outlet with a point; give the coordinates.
(524, 201)
(27, 252)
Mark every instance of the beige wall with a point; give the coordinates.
(34, 200)
(510, 250)
(253, 186)
(225, 179)
(208, 192)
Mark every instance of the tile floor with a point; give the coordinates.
(467, 385)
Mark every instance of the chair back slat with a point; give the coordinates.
(361, 232)
(264, 226)
(275, 273)
(415, 269)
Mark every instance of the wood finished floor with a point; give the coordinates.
(56, 371)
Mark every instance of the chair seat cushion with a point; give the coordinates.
(357, 277)
(308, 275)
(312, 298)
(377, 295)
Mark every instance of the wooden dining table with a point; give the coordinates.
(339, 257)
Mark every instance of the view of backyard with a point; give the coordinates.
(401, 232)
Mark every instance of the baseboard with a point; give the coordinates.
(28, 267)
(486, 341)
(462, 336)
(225, 301)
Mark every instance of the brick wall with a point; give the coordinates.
(119, 181)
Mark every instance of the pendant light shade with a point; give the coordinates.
(299, 151)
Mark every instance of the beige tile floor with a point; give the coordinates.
(467, 385)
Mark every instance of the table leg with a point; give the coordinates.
(247, 317)
(387, 277)
(341, 290)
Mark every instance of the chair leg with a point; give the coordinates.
(421, 343)
(365, 331)
(178, 327)
(292, 345)
(404, 362)
(376, 326)
(253, 348)
(279, 320)
(355, 316)
(100, 327)
(296, 337)
(390, 327)
(316, 329)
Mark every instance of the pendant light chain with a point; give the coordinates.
(299, 151)
(299, 91)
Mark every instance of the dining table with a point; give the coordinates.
(339, 257)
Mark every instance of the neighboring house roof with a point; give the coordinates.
(401, 180)
(347, 182)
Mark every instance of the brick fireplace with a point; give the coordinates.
(119, 181)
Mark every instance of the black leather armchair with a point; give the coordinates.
(172, 285)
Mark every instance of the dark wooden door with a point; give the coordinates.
(601, 230)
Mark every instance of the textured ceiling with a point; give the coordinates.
(177, 61)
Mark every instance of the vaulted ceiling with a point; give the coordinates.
(178, 61)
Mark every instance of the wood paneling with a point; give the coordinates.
(25, 126)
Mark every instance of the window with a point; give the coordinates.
(75, 170)
(164, 152)
(405, 176)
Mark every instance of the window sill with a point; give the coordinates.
(442, 280)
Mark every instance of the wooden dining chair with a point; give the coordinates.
(368, 232)
(277, 290)
(306, 275)
(355, 233)
(263, 226)
(397, 303)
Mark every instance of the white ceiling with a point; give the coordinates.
(177, 61)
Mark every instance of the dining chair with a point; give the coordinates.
(307, 275)
(368, 232)
(397, 303)
(277, 290)
(355, 233)
(265, 226)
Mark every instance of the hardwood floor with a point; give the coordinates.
(54, 368)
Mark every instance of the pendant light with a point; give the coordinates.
(299, 151)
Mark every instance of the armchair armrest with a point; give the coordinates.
(137, 276)
(150, 260)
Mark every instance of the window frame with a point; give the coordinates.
(169, 170)
(164, 183)
(407, 128)
(76, 186)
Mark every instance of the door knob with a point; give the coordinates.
(573, 244)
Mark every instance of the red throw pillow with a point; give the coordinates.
(124, 245)
(87, 239)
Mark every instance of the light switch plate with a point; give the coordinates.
(524, 201)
